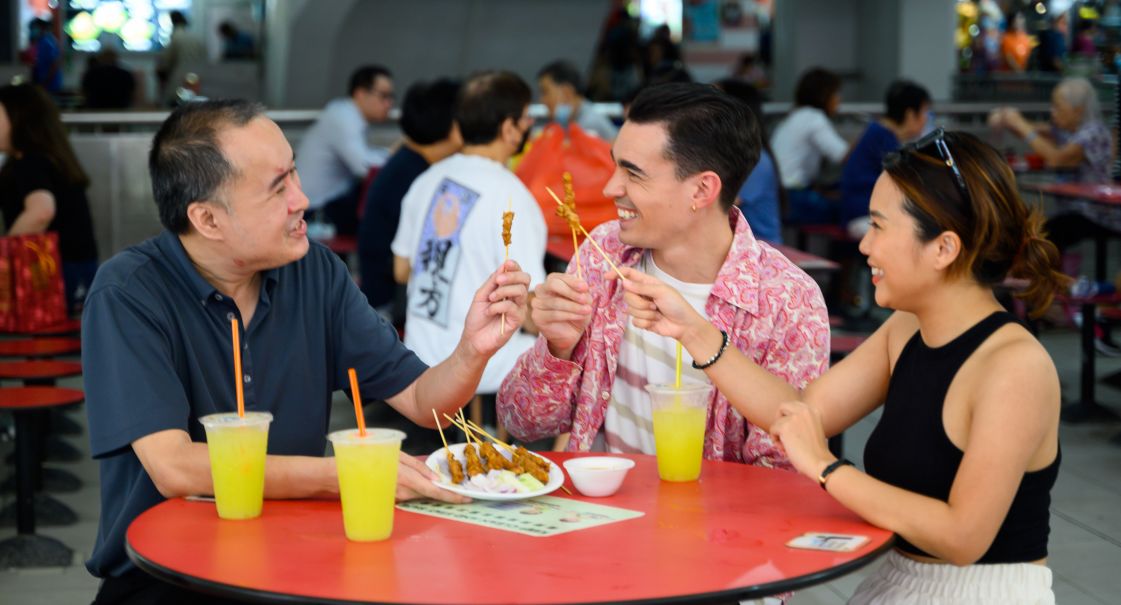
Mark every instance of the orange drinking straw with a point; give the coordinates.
(357, 402)
(237, 368)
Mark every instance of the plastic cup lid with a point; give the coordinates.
(231, 419)
(350, 436)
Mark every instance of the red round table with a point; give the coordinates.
(40, 347)
(717, 540)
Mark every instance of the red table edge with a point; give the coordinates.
(219, 589)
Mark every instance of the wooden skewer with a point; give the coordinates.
(576, 254)
(589, 238)
(440, 428)
(466, 433)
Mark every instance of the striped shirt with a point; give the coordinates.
(646, 358)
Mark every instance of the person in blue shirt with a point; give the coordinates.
(157, 344)
(430, 135)
(907, 106)
(47, 70)
(761, 198)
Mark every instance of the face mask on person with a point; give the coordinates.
(562, 114)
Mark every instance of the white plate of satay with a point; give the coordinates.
(486, 470)
(489, 483)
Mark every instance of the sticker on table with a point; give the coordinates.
(828, 542)
(544, 516)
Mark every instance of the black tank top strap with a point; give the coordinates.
(967, 342)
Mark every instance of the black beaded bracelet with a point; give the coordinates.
(714, 358)
(838, 463)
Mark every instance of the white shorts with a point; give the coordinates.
(904, 581)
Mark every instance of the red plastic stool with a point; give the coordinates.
(45, 373)
(26, 549)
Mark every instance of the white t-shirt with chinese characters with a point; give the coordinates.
(646, 358)
(451, 232)
(800, 141)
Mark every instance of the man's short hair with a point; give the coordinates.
(486, 101)
(186, 162)
(428, 112)
(903, 95)
(563, 72)
(365, 76)
(816, 87)
(177, 18)
(707, 130)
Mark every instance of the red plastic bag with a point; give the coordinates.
(588, 160)
(32, 295)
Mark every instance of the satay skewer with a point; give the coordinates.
(454, 469)
(573, 219)
(469, 426)
(507, 224)
(587, 236)
(542, 465)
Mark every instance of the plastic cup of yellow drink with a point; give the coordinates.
(367, 468)
(679, 414)
(237, 461)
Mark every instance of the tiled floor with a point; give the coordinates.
(1085, 523)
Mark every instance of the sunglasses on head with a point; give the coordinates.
(937, 139)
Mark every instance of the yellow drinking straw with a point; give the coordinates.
(677, 370)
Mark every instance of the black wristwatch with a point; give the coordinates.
(824, 476)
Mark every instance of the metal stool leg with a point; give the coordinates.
(28, 549)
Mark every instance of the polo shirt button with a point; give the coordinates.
(248, 379)
(230, 315)
(217, 297)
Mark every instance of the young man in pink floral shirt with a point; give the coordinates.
(682, 155)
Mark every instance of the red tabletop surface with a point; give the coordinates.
(1095, 192)
(25, 370)
(39, 347)
(806, 261)
(717, 539)
(30, 398)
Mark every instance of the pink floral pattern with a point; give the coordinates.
(772, 311)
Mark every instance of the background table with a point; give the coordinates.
(717, 540)
(1101, 194)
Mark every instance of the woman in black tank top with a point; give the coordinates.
(963, 459)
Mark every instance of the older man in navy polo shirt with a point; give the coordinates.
(156, 336)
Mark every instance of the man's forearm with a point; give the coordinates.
(450, 384)
(184, 470)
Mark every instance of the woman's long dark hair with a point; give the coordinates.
(37, 129)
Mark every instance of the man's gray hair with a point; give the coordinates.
(1080, 93)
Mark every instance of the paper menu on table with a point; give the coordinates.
(543, 516)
